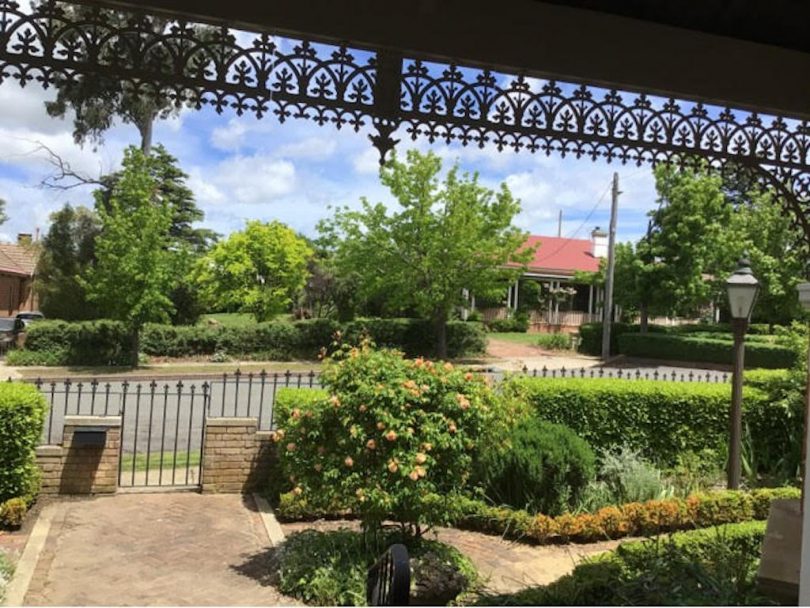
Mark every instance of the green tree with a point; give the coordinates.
(689, 244)
(443, 238)
(3, 216)
(132, 277)
(68, 251)
(773, 244)
(186, 241)
(260, 270)
(99, 99)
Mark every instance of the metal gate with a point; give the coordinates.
(162, 428)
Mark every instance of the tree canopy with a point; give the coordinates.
(259, 270)
(444, 236)
(132, 277)
(68, 251)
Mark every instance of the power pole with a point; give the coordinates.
(607, 320)
(559, 224)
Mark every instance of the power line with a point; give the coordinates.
(571, 236)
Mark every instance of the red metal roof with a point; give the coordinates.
(561, 256)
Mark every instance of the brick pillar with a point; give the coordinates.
(50, 460)
(90, 469)
(229, 450)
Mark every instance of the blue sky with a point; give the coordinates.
(242, 168)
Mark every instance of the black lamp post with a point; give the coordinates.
(742, 288)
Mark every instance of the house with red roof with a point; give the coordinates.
(564, 302)
(18, 262)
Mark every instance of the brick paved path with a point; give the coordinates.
(504, 565)
(155, 550)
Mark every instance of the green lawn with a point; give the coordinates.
(514, 336)
(238, 319)
(184, 458)
(229, 319)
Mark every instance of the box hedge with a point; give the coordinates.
(630, 519)
(22, 415)
(661, 419)
(713, 566)
(106, 342)
(704, 350)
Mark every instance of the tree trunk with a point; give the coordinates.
(644, 320)
(135, 347)
(440, 327)
(146, 137)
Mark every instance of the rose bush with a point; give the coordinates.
(392, 438)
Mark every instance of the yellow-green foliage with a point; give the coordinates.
(660, 419)
(22, 415)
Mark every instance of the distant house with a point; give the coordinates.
(18, 262)
(565, 303)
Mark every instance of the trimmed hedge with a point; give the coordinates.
(106, 342)
(706, 350)
(660, 419)
(22, 416)
(713, 566)
(609, 523)
(631, 519)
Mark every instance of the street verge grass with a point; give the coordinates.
(139, 461)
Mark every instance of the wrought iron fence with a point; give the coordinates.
(249, 394)
(237, 394)
(706, 376)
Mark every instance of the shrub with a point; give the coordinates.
(660, 419)
(101, 342)
(329, 568)
(554, 341)
(519, 322)
(12, 512)
(630, 519)
(106, 342)
(540, 467)
(32, 357)
(590, 337)
(631, 478)
(22, 415)
(706, 350)
(714, 567)
(394, 440)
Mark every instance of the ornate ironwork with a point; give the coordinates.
(388, 582)
(383, 93)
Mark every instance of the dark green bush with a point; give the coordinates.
(101, 342)
(22, 415)
(710, 567)
(590, 337)
(519, 322)
(541, 467)
(705, 350)
(106, 342)
(660, 419)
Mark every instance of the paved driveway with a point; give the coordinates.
(155, 550)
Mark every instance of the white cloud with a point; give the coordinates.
(311, 148)
(229, 137)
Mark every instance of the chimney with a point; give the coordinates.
(599, 243)
(24, 238)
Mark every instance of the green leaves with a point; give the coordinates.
(444, 236)
(22, 416)
(132, 276)
(258, 270)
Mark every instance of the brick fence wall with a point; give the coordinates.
(236, 456)
(81, 469)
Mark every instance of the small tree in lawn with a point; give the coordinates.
(444, 238)
(131, 279)
(259, 270)
(393, 440)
